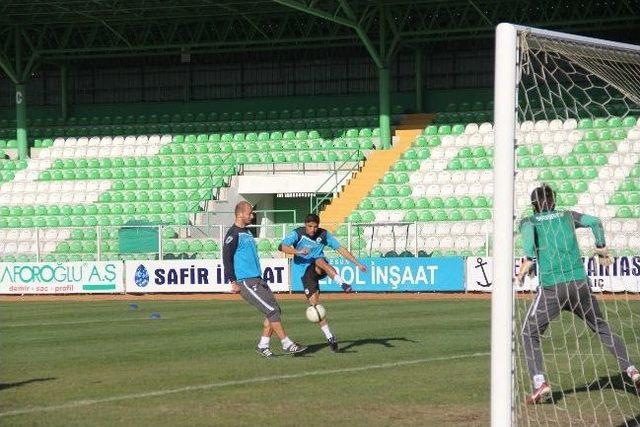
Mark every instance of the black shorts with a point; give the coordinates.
(310, 279)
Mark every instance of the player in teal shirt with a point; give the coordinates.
(549, 237)
(307, 244)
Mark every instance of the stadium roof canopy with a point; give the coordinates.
(36, 31)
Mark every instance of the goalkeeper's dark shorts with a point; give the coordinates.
(310, 279)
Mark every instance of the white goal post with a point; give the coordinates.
(508, 63)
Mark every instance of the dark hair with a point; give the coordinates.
(312, 218)
(543, 198)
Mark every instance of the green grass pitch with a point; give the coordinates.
(404, 363)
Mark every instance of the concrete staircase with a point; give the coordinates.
(377, 164)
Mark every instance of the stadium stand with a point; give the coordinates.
(72, 183)
(168, 165)
(445, 182)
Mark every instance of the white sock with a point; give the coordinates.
(286, 342)
(326, 330)
(630, 370)
(537, 381)
(338, 279)
(264, 342)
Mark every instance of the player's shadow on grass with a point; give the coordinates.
(631, 422)
(615, 382)
(4, 386)
(347, 346)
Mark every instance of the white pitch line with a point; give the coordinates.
(86, 402)
(74, 322)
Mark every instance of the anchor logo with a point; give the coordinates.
(480, 265)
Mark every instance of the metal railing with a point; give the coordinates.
(103, 242)
(214, 193)
(355, 155)
(209, 215)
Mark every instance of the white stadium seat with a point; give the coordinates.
(575, 136)
(531, 138)
(457, 228)
(447, 242)
(473, 228)
(555, 124)
(527, 126)
(459, 176)
(476, 140)
(429, 178)
(444, 178)
(541, 125)
(415, 178)
(462, 140)
(443, 229)
(471, 128)
(461, 189)
(631, 158)
(485, 128)
(461, 243)
(486, 176)
(570, 124)
(633, 134)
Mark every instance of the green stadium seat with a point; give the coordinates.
(451, 202)
(525, 162)
(355, 217)
(560, 174)
(624, 212)
(599, 123)
(368, 217)
(629, 121)
(411, 216)
(366, 204)
(585, 124)
(618, 199)
(407, 203)
(481, 202)
(571, 160)
(484, 214)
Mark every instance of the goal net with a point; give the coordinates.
(571, 104)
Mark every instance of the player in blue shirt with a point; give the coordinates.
(307, 244)
(242, 269)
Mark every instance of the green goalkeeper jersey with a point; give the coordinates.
(551, 238)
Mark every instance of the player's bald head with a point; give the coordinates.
(243, 207)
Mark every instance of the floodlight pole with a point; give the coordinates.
(21, 103)
(505, 90)
(380, 60)
(385, 107)
(419, 94)
(64, 88)
(21, 121)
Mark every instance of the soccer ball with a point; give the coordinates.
(316, 313)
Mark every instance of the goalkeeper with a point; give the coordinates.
(549, 236)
